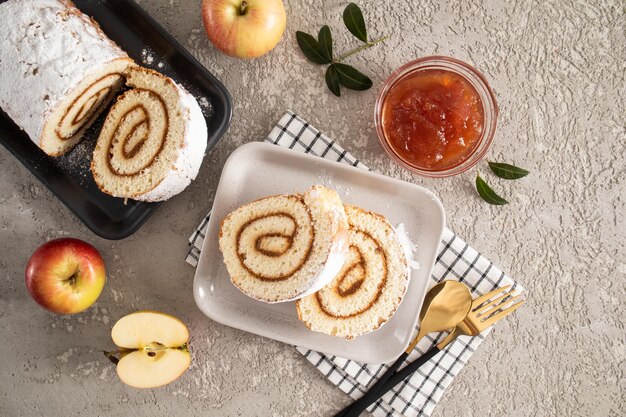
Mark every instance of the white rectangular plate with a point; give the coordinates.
(257, 170)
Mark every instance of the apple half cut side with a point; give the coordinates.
(140, 370)
(153, 350)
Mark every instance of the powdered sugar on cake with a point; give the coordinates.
(187, 165)
(408, 246)
(48, 48)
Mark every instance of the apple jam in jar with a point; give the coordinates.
(436, 116)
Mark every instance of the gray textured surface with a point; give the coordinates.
(558, 70)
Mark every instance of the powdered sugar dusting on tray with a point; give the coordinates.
(147, 56)
(150, 59)
(205, 104)
(325, 178)
(77, 162)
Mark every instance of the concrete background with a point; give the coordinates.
(557, 68)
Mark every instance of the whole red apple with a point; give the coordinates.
(244, 28)
(65, 276)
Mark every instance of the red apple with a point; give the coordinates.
(244, 28)
(65, 276)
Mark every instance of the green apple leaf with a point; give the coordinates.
(352, 78)
(508, 172)
(353, 19)
(487, 194)
(311, 48)
(332, 80)
(325, 41)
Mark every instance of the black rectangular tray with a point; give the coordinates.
(69, 176)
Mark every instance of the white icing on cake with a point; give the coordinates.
(408, 246)
(190, 156)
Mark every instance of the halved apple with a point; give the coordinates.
(153, 350)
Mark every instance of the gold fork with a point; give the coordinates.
(484, 313)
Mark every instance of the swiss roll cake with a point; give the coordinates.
(58, 70)
(368, 289)
(285, 247)
(153, 140)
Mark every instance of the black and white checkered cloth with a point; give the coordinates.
(417, 395)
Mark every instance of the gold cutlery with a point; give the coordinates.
(445, 306)
(483, 313)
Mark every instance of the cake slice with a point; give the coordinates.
(153, 140)
(285, 247)
(368, 289)
(58, 70)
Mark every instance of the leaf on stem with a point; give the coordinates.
(325, 41)
(311, 48)
(353, 19)
(487, 194)
(506, 171)
(352, 78)
(332, 80)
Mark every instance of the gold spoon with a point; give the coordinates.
(445, 305)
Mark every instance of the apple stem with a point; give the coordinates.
(243, 8)
(359, 49)
(111, 356)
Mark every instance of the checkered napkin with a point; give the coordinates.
(418, 394)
